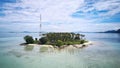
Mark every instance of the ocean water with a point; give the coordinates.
(104, 53)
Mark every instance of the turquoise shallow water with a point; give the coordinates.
(105, 53)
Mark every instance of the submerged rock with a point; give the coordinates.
(28, 48)
(46, 48)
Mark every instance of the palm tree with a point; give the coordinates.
(82, 36)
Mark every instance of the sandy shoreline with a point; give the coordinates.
(64, 46)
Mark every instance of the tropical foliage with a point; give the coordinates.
(43, 40)
(28, 39)
(57, 39)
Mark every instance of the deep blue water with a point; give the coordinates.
(104, 53)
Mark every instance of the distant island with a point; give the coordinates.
(109, 31)
(22, 32)
(112, 31)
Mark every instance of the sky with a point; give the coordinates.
(59, 15)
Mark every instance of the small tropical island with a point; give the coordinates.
(58, 40)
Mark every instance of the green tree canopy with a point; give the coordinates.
(43, 40)
(28, 39)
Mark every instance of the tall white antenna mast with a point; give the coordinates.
(40, 33)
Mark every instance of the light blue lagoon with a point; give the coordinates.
(104, 53)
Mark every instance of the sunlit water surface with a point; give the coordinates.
(104, 53)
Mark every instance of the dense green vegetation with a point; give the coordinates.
(28, 39)
(57, 39)
(60, 39)
(59, 43)
(43, 40)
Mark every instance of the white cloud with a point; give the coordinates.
(55, 12)
(51, 10)
(112, 6)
